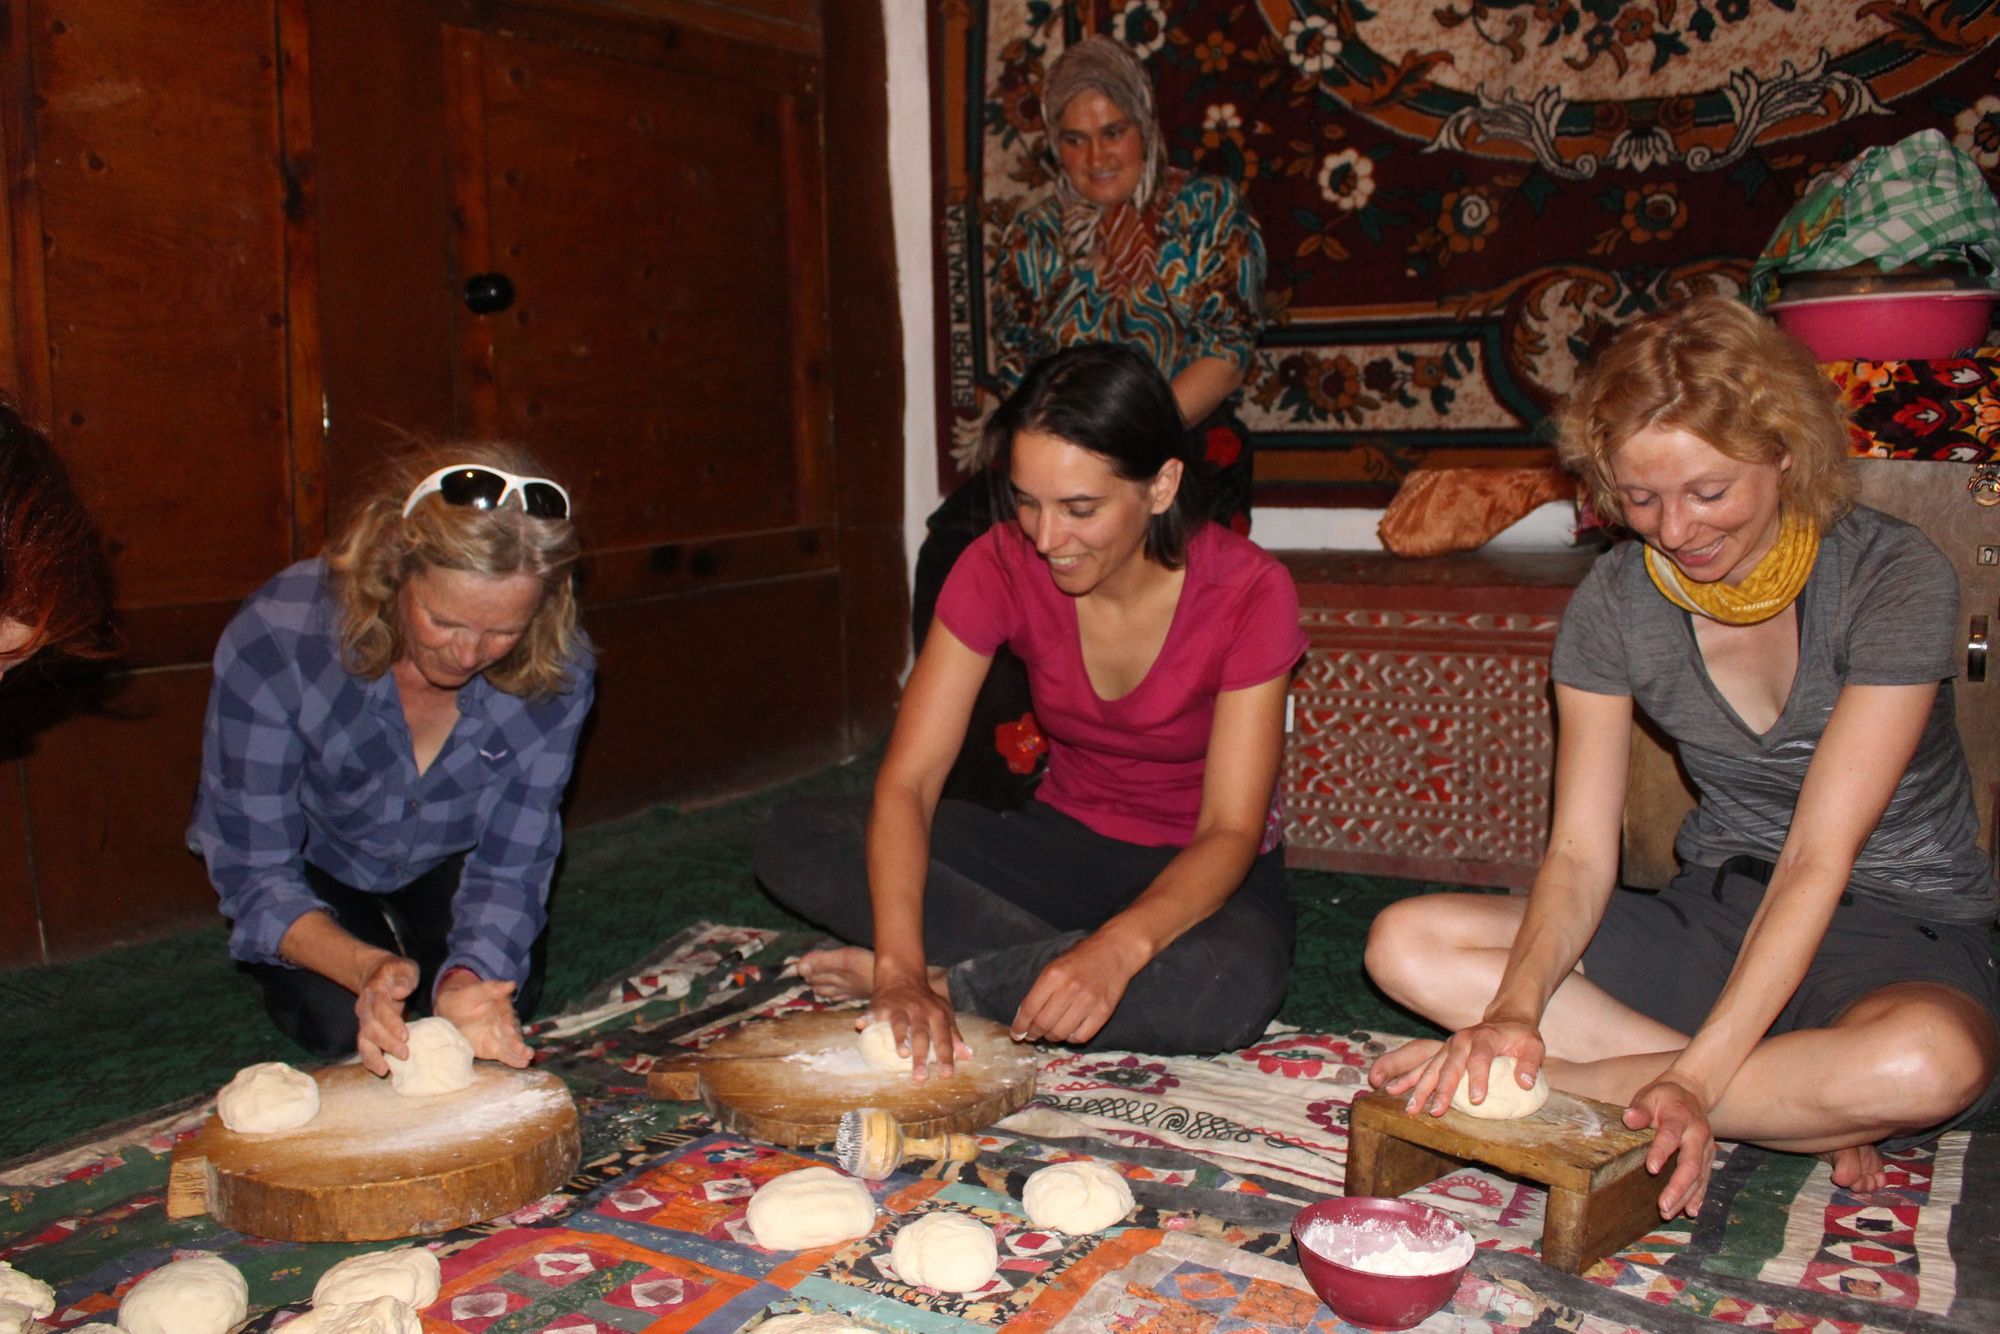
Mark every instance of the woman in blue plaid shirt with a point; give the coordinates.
(388, 737)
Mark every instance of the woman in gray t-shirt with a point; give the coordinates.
(1818, 978)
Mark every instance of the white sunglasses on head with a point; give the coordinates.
(484, 487)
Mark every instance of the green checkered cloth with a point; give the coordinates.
(1919, 202)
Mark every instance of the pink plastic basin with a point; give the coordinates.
(1383, 1301)
(1888, 326)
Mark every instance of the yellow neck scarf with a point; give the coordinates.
(1764, 592)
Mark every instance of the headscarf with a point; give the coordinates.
(1118, 236)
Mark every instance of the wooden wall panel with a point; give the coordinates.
(20, 929)
(384, 234)
(866, 368)
(875, 621)
(643, 219)
(250, 291)
(867, 325)
(109, 793)
(162, 204)
(711, 693)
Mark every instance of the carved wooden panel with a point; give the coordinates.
(1423, 740)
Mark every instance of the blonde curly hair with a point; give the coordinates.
(1714, 368)
(380, 550)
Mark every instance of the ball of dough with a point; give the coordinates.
(383, 1315)
(1506, 1100)
(878, 1047)
(266, 1097)
(947, 1252)
(812, 1322)
(202, 1295)
(440, 1060)
(814, 1206)
(1076, 1198)
(14, 1318)
(30, 1294)
(410, 1274)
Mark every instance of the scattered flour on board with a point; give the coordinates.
(1376, 1246)
(835, 1061)
(371, 1118)
(849, 1061)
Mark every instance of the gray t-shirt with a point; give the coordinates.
(1881, 608)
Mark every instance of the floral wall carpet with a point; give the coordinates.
(1220, 1154)
(1461, 199)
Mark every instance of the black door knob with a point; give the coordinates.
(488, 293)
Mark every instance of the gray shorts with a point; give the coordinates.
(1667, 955)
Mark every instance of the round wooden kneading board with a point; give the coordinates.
(375, 1165)
(789, 1081)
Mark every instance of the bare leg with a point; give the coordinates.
(1442, 955)
(1913, 1055)
(848, 973)
(1899, 1059)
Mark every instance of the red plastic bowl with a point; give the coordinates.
(1888, 326)
(1384, 1301)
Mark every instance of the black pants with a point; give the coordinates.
(1009, 891)
(414, 921)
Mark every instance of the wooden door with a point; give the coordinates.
(659, 232)
(147, 276)
(647, 183)
(231, 261)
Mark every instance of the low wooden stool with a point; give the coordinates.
(1601, 1198)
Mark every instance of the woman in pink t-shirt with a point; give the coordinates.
(1139, 902)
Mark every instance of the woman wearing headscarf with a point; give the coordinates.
(1124, 249)
(1127, 249)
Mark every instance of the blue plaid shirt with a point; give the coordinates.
(302, 761)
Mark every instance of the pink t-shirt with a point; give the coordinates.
(1130, 768)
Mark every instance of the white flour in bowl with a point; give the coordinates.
(1381, 1246)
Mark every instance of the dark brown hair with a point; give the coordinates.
(54, 578)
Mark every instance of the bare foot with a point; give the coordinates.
(843, 974)
(848, 973)
(1858, 1168)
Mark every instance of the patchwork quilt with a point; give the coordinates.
(1220, 1153)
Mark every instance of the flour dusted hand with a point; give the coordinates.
(410, 1274)
(1506, 1100)
(201, 1295)
(440, 1060)
(268, 1097)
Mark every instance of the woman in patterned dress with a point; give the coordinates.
(1127, 249)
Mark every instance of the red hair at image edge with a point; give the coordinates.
(53, 575)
